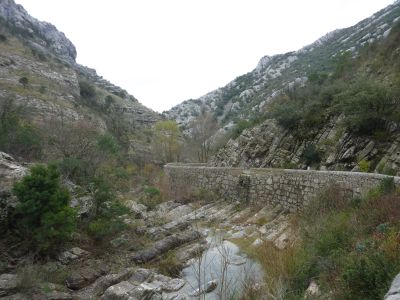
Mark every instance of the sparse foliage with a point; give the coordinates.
(166, 142)
(202, 129)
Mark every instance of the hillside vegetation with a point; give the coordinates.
(347, 119)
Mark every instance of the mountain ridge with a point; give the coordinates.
(245, 96)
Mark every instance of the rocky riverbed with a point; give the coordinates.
(196, 241)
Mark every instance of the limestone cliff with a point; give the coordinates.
(37, 51)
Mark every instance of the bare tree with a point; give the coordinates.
(202, 129)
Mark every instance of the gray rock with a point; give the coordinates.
(238, 234)
(206, 288)
(8, 284)
(10, 172)
(166, 244)
(138, 209)
(42, 34)
(86, 274)
(120, 241)
(178, 212)
(166, 284)
(84, 206)
(97, 288)
(71, 255)
(394, 291)
(119, 291)
(141, 275)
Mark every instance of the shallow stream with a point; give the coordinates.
(224, 263)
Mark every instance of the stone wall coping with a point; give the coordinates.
(261, 171)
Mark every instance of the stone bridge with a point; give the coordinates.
(290, 188)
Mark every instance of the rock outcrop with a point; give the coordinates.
(46, 57)
(246, 96)
(394, 291)
(10, 172)
(42, 35)
(269, 145)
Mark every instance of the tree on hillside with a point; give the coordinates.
(17, 136)
(166, 145)
(43, 216)
(202, 129)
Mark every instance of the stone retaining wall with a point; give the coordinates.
(290, 188)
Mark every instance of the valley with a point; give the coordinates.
(283, 184)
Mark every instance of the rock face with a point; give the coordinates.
(46, 58)
(269, 145)
(44, 35)
(394, 291)
(10, 172)
(8, 283)
(164, 245)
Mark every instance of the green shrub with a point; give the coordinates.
(104, 228)
(311, 155)
(78, 170)
(107, 144)
(367, 275)
(87, 91)
(108, 101)
(24, 81)
(106, 221)
(240, 127)
(43, 214)
(152, 197)
(364, 165)
(3, 38)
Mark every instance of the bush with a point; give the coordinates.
(311, 155)
(106, 221)
(152, 197)
(87, 91)
(363, 165)
(16, 136)
(24, 81)
(103, 228)
(367, 275)
(3, 38)
(43, 215)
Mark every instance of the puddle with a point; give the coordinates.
(224, 263)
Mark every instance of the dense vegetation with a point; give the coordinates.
(350, 248)
(43, 217)
(363, 90)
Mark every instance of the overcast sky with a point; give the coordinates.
(164, 52)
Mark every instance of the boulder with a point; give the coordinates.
(394, 291)
(178, 212)
(119, 291)
(312, 291)
(84, 206)
(97, 288)
(10, 172)
(73, 254)
(164, 245)
(206, 288)
(85, 274)
(8, 284)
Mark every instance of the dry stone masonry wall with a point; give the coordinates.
(289, 188)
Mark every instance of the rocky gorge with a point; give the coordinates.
(295, 203)
(130, 270)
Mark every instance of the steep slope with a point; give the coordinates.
(348, 120)
(246, 96)
(53, 82)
